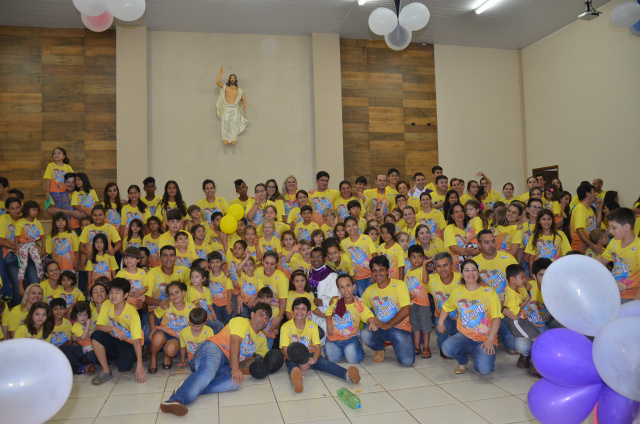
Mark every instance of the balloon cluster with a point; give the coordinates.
(397, 29)
(627, 15)
(583, 296)
(229, 223)
(97, 15)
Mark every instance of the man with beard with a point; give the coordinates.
(228, 108)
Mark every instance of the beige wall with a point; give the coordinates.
(479, 114)
(582, 100)
(131, 106)
(185, 143)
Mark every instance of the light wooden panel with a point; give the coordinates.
(57, 89)
(388, 109)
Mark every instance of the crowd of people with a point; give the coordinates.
(120, 280)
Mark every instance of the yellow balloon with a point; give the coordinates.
(228, 224)
(236, 212)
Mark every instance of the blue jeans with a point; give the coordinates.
(523, 345)
(146, 329)
(11, 268)
(459, 345)
(212, 375)
(221, 313)
(216, 326)
(506, 336)
(450, 325)
(361, 285)
(400, 339)
(270, 342)
(350, 349)
(246, 311)
(6, 285)
(323, 365)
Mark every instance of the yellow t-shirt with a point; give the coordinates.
(340, 206)
(494, 272)
(387, 200)
(474, 226)
(581, 217)
(55, 174)
(395, 255)
(434, 220)
(7, 231)
(345, 267)
(133, 242)
(23, 333)
(327, 230)
(138, 281)
(48, 292)
(273, 244)
(199, 300)
(4, 320)
(204, 249)
(477, 309)
(293, 296)
(297, 262)
(191, 342)
(348, 325)
(308, 336)
(506, 235)
(552, 247)
(75, 296)
(237, 201)
(174, 320)
(77, 329)
(28, 231)
(90, 231)
(129, 213)
(436, 245)
(161, 210)
(303, 232)
(102, 265)
(61, 333)
(454, 236)
(536, 310)
(232, 265)
(259, 216)
(417, 289)
(251, 343)
(277, 282)
(249, 286)
(154, 250)
(63, 248)
(185, 259)
(16, 318)
(361, 252)
(465, 198)
(513, 299)
(112, 216)
(218, 287)
(158, 281)
(84, 199)
(152, 204)
(207, 209)
(167, 239)
(128, 320)
(387, 302)
(626, 266)
(323, 200)
(441, 292)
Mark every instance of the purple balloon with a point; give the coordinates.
(553, 404)
(564, 358)
(614, 408)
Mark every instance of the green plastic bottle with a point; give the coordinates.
(349, 399)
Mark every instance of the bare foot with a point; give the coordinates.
(225, 141)
(234, 142)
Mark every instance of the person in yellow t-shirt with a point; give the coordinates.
(516, 303)
(152, 241)
(299, 286)
(584, 220)
(184, 255)
(249, 286)
(192, 336)
(624, 252)
(54, 175)
(390, 301)
(265, 295)
(81, 355)
(84, 198)
(392, 250)
(420, 317)
(322, 200)
(101, 263)
(118, 334)
(219, 357)
(211, 203)
(268, 241)
(69, 292)
(492, 263)
(62, 244)
(430, 245)
(381, 198)
(440, 285)
(336, 260)
(174, 226)
(345, 197)
(546, 241)
(430, 216)
(479, 318)
(135, 276)
(38, 323)
(151, 199)
(135, 208)
(361, 250)
(159, 278)
(61, 334)
(221, 288)
(304, 229)
(301, 330)
(114, 242)
(256, 207)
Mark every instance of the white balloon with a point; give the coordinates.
(31, 367)
(616, 354)
(98, 23)
(91, 7)
(625, 14)
(127, 10)
(382, 21)
(399, 39)
(581, 293)
(414, 16)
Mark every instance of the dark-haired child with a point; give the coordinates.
(61, 333)
(70, 293)
(265, 295)
(192, 336)
(54, 176)
(199, 295)
(38, 324)
(221, 288)
(101, 263)
(82, 358)
(152, 241)
(62, 243)
(137, 277)
(28, 231)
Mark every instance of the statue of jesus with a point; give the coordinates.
(228, 108)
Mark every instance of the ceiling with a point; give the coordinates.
(511, 24)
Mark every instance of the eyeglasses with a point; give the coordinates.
(271, 186)
(536, 207)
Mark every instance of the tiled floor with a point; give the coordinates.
(391, 394)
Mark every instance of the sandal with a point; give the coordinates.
(418, 351)
(167, 366)
(426, 353)
(152, 370)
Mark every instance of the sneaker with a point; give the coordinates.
(353, 374)
(101, 378)
(296, 380)
(174, 407)
(378, 356)
(523, 361)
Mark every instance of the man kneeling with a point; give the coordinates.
(217, 360)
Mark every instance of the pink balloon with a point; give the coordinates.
(98, 23)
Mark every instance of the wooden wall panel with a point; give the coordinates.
(57, 88)
(388, 109)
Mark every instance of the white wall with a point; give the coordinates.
(479, 114)
(582, 101)
(275, 72)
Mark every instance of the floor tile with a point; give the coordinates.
(398, 417)
(402, 379)
(503, 368)
(515, 384)
(335, 421)
(282, 376)
(209, 416)
(466, 391)
(80, 408)
(435, 361)
(131, 404)
(422, 397)
(82, 389)
(74, 421)
(174, 380)
(454, 413)
(523, 397)
(367, 384)
(149, 418)
(202, 402)
(312, 389)
(129, 386)
(389, 364)
(246, 395)
(262, 413)
(442, 375)
(501, 410)
(372, 404)
(307, 410)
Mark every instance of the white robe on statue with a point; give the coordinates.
(327, 289)
(233, 123)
